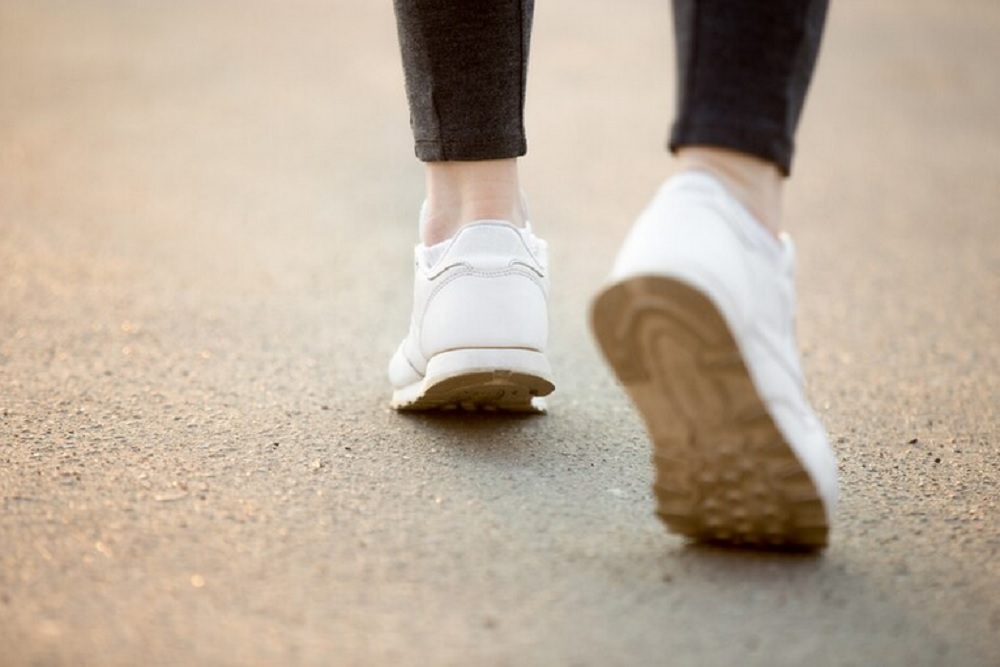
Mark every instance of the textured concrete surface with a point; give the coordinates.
(206, 215)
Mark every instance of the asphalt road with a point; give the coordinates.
(207, 212)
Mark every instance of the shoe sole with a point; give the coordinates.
(724, 472)
(509, 380)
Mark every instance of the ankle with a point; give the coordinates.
(462, 192)
(754, 182)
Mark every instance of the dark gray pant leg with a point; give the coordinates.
(465, 63)
(744, 68)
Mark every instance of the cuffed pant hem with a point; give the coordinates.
(498, 148)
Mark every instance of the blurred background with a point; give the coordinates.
(207, 213)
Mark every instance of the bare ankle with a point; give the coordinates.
(462, 192)
(756, 183)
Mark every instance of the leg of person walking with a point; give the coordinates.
(480, 317)
(743, 73)
(465, 64)
(698, 319)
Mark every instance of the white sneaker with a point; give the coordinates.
(698, 324)
(480, 324)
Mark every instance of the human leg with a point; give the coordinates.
(743, 72)
(698, 319)
(460, 192)
(465, 65)
(480, 321)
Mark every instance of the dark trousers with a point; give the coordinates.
(744, 67)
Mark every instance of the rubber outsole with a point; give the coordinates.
(724, 472)
(493, 390)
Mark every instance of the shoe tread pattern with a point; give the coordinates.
(724, 473)
(497, 390)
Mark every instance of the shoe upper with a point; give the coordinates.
(696, 232)
(487, 287)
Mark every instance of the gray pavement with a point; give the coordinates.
(206, 218)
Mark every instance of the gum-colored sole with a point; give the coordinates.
(724, 472)
(501, 390)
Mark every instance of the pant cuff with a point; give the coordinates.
(479, 148)
(763, 142)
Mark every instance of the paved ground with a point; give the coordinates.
(206, 214)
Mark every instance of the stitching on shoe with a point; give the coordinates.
(479, 273)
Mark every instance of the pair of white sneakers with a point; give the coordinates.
(697, 322)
